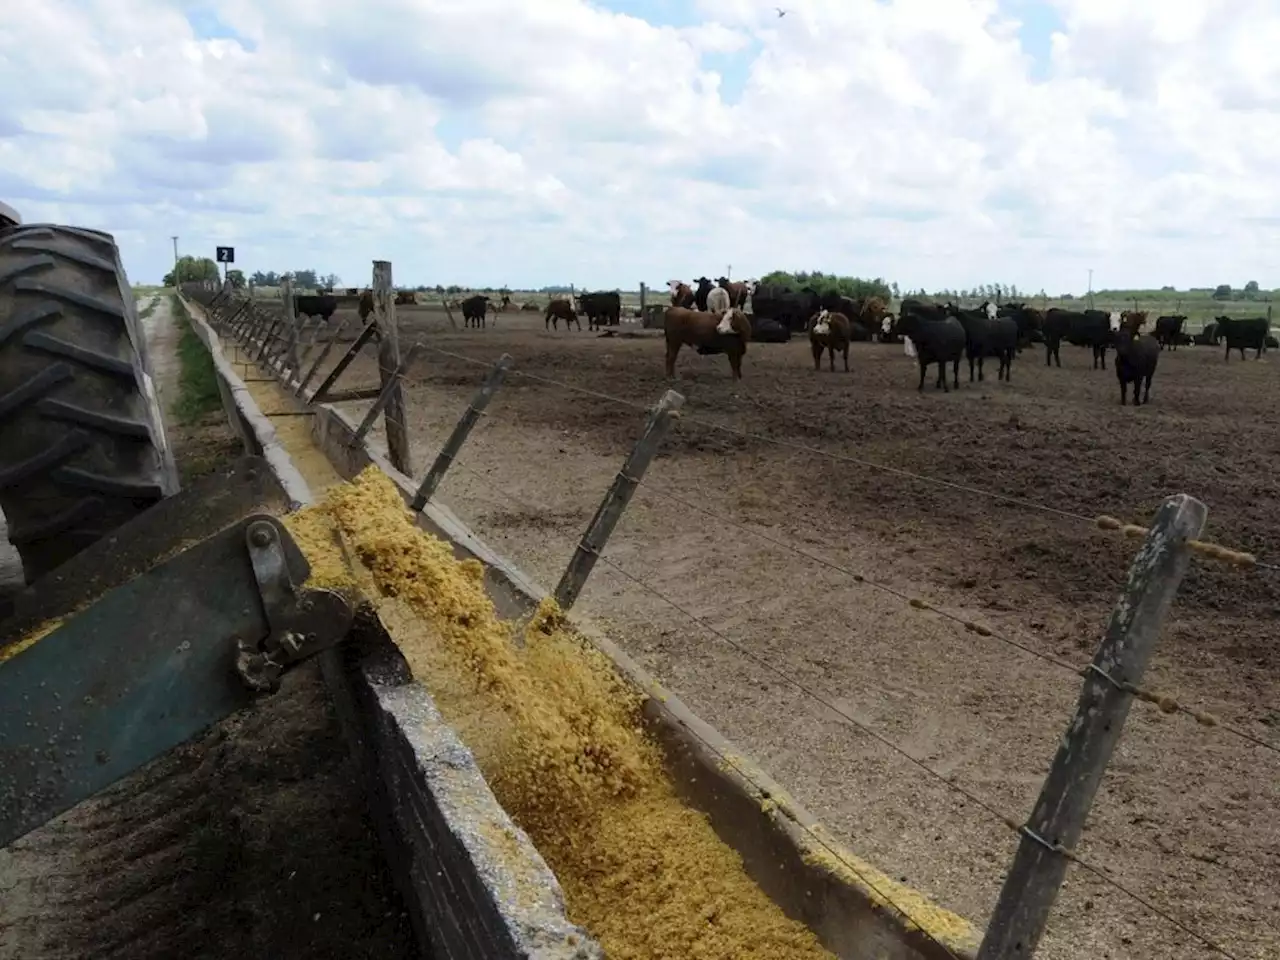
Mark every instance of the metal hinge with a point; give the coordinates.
(303, 621)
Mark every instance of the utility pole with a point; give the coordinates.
(177, 281)
(1091, 288)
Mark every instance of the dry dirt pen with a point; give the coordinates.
(1184, 816)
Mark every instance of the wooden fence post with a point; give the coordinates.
(384, 315)
(390, 389)
(615, 501)
(449, 452)
(1031, 886)
(322, 391)
(644, 297)
(304, 381)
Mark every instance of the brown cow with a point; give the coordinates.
(560, 310)
(366, 306)
(709, 333)
(829, 331)
(405, 297)
(739, 291)
(681, 294)
(872, 314)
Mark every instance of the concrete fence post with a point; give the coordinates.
(390, 389)
(449, 452)
(615, 501)
(1057, 820)
(389, 367)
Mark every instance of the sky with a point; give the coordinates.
(936, 143)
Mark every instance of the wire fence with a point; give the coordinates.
(1110, 682)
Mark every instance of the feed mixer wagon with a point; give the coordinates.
(148, 613)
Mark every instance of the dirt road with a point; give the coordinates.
(1186, 814)
(251, 841)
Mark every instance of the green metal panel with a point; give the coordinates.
(146, 667)
(210, 504)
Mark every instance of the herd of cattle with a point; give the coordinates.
(711, 317)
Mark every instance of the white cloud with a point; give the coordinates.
(936, 142)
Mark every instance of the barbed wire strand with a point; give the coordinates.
(1099, 522)
(1007, 821)
(1166, 703)
(835, 853)
(1163, 701)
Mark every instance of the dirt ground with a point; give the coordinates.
(1186, 816)
(250, 841)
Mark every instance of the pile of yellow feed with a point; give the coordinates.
(558, 736)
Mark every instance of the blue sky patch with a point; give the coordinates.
(206, 25)
(1039, 22)
(457, 125)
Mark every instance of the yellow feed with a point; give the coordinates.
(558, 736)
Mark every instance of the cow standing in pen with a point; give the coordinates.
(1136, 357)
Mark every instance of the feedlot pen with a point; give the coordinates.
(1186, 816)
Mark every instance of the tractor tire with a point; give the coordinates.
(82, 442)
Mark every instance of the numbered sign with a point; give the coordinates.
(226, 255)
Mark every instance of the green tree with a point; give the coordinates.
(236, 277)
(1222, 292)
(1251, 289)
(192, 270)
(894, 287)
(855, 287)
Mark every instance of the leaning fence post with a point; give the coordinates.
(449, 452)
(290, 326)
(389, 366)
(324, 355)
(390, 389)
(615, 501)
(1031, 886)
(322, 391)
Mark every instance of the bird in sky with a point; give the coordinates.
(781, 12)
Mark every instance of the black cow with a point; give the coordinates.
(474, 309)
(1092, 328)
(987, 335)
(700, 294)
(791, 310)
(940, 341)
(315, 306)
(1244, 333)
(764, 330)
(1136, 358)
(601, 308)
(1208, 336)
(1030, 322)
(1169, 331)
